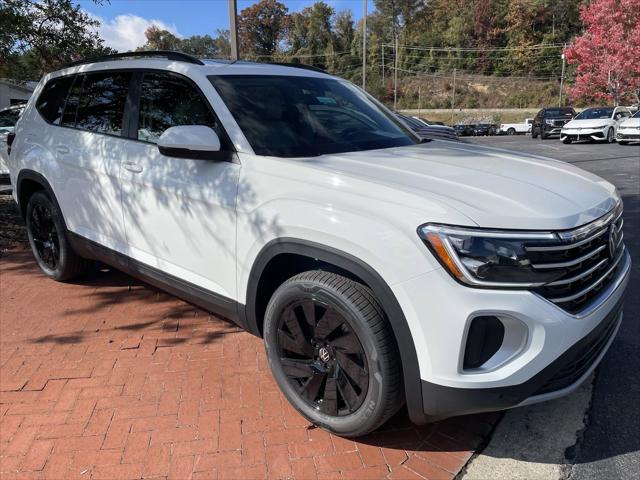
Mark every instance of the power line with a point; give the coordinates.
(475, 49)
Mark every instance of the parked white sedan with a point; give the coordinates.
(599, 124)
(629, 130)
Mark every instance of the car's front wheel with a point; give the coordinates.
(566, 140)
(332, 352)
(611, 136)
(48, 240)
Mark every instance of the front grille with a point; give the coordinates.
(559, 123)
(586, 259)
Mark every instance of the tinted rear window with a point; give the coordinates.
(51, 101)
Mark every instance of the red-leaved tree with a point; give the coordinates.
(607, 54)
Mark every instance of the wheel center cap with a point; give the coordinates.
(324, 354)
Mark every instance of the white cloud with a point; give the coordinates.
(126, 32)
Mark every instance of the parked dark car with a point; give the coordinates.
(426, 130)
(485, 129)
(465, 130)
(549, 121)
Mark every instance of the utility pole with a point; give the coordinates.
(395, 78)
(383, 65)
(564, 61)
(233, 29)
(453, 98)
(364, 44)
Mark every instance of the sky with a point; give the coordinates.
(123, 22)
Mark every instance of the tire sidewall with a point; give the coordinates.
(367, 415)
(40, 198)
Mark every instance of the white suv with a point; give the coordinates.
(379, 269)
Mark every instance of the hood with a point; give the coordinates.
(590, 123)
(631, 122)
(492, 187)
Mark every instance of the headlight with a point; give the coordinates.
(601, 127)
(549, 121)
(488, 258)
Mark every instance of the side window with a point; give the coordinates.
(71, 105)
(167, 100)
(102, 102)
(9, 118)
(51, 101)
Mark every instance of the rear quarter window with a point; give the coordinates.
(50, 103)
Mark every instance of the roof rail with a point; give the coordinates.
(168, 54)
(299, 65)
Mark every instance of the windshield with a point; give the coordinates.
(288, 116)
(594, 113)
(636, 115)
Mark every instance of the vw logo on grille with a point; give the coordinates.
(613, 240)
(324, 355)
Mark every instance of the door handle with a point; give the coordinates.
(62, 149)
(132, 167)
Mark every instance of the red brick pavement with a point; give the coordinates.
(109, 378)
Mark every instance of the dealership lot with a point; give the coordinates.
(609, 447)
(107, 378)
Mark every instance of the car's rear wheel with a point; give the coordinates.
(48, 240)
(332, 352)
(511, 131)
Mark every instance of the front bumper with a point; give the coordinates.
(584, 134)
(547, 352)
(628, 136)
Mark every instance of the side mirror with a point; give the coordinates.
(196, 142)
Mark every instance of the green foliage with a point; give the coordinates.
(37, 36)
(203, 46)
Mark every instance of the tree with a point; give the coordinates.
(261, 27)
(37, 36)
(607, 53)
(311, 34)
(202, 46)
(158, 39)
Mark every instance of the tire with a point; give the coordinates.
(610, 136)
(566, 140)
(622, 142)
(543, 136)
(511, 131)
(534, 133)
(345, 318)
(48, 240)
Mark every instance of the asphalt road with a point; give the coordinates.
(609, 445)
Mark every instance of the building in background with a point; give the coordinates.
(12, 93)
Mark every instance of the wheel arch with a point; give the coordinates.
(314, 255)
(29, 182)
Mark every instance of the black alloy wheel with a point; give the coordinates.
(333, 353)
(48, 240)
(45, 237)
(322, 357)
